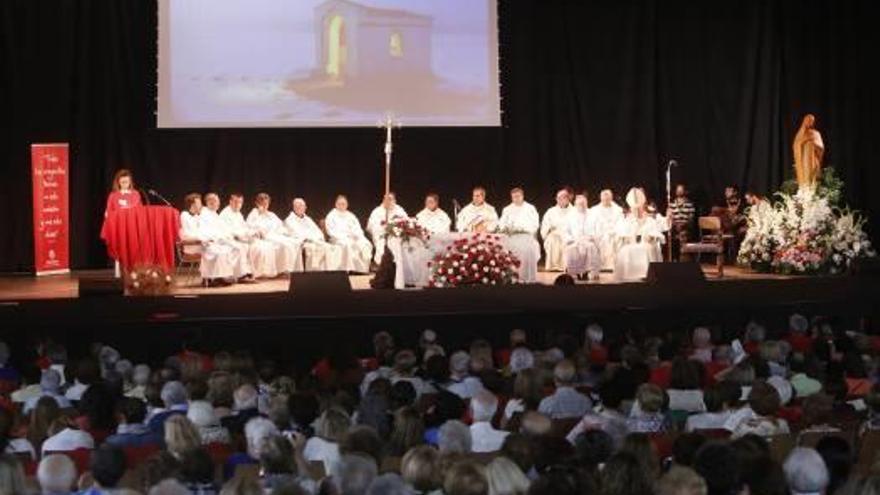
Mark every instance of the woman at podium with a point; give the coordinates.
(123, 195)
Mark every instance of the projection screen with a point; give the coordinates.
(327, 63)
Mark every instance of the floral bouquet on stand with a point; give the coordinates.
(476, 260)
(406, 229)
(805, 233)
(148, 280)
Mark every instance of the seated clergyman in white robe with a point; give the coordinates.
(288, 254)
(478, 216)
(520, 221)
(344, 230)
(388, 211)
(432, 218)
(218, 230)
(581, 253)
(605, 217)
(320, 255)
(216, 263)
(553, 227)
(640, 236)
(261, 253)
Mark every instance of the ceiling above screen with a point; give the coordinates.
(327, 63)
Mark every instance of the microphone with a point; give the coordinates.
(152, 192)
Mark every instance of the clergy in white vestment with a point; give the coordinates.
(605, 217)
(389, 210)
(344, 230)
(432, 218)
(478, 216)
(520, 221)
(288, 250)
(215, 266)
(640, 236)
(218, 230)
(261, 253)
(553, 229)
(320, 255)
(581, 253)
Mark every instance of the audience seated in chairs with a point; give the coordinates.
(681, 414)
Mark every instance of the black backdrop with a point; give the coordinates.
(595, 93)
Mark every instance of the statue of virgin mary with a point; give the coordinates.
(808, 152)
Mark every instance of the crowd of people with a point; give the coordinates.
(578, 239)
(715, 410)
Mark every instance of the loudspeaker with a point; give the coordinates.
(100, 286)
(867, 267)
(319, 284)
(685, 272)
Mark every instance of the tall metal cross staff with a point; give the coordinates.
(389, 124)
(672, 163)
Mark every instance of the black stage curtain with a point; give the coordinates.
(596, 93)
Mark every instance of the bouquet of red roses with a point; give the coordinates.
(476, 260)
(406, 229)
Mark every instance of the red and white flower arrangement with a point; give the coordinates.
(477, 260)
(406, 229)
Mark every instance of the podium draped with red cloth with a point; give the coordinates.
(142, 235)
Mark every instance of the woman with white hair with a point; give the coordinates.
(506, 478)
(805, 472)
(202, 415)
(454, 437)
(56, 474)
(256, 431)
(333, 424)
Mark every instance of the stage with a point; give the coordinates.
(287, 324)
(29, 287)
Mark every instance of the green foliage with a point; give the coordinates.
(830, 187)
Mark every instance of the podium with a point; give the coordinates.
(142, 235)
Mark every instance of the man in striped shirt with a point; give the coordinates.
(682, 213)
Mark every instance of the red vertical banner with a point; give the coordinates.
(49, 166)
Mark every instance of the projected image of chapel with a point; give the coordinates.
(356, 41)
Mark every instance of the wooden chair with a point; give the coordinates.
(869, 448)
(188, 263)
(711, 242)
(811, 438)
(780, 446)
(561, 427)
(316, 470)
(135, 456)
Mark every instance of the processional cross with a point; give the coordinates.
(388, 124)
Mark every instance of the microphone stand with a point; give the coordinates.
(669, 166)
(152, 192)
